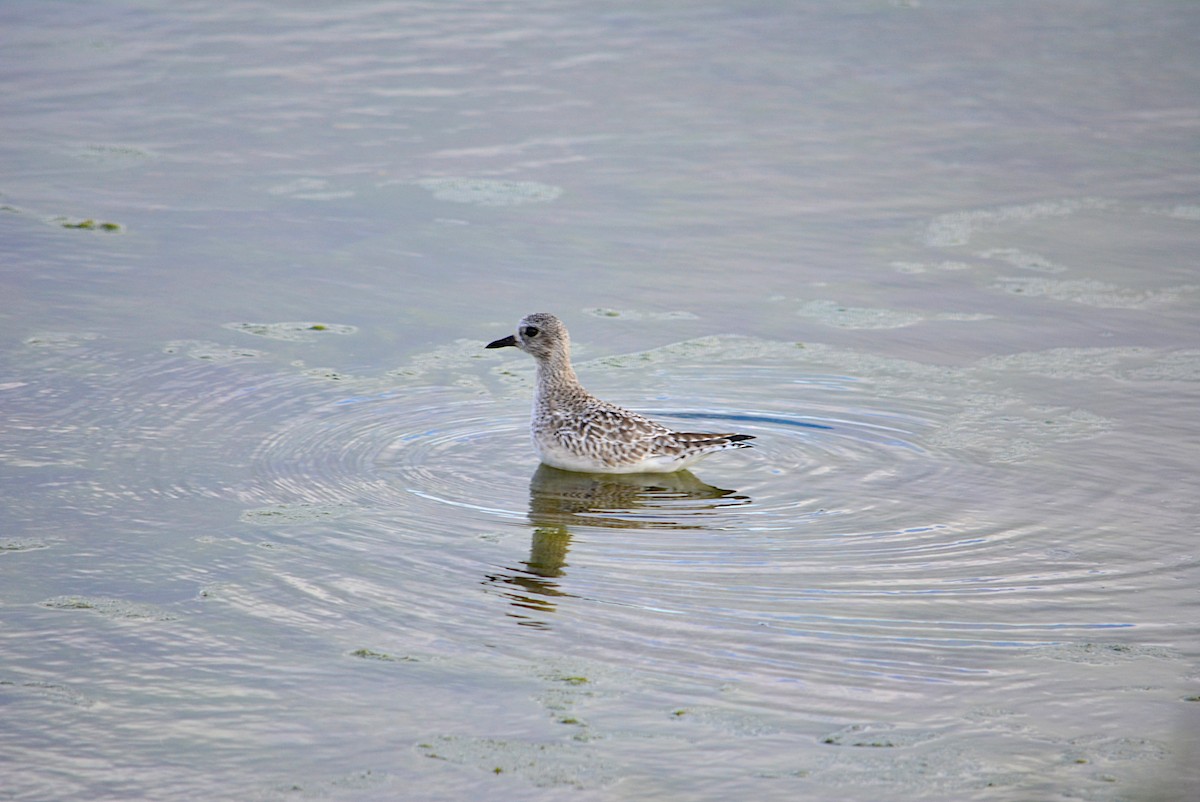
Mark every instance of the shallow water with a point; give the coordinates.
(273, 528)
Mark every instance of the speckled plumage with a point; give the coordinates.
(575, 431)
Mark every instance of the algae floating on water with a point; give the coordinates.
(573, 680)
(88, 224)
(298, 331)
(109, 607)
(369, 654)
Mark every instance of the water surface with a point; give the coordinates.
(272, 525)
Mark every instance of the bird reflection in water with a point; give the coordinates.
(562, 500)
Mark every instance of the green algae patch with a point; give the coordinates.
(69, 603)
(88, 224)
(20, 545)
(543, 765)
(574, 680)
(210, 351)
(291, 331)
(1103, 654)
(831, 313)
(369, 654)
(875, 736)
(293, 513)
(109, 608)
(328, 374)
(59, 339)
(51, 692)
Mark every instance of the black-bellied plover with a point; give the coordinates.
(575, 431)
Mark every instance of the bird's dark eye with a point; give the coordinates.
(531, 331)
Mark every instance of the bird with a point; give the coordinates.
(575, 431)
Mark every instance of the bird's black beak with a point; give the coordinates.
(503, 341)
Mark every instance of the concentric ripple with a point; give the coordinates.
(881, 529)
(871, 487)
(878, 527)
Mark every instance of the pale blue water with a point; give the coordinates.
(272, 528)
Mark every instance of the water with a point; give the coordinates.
(272, 526)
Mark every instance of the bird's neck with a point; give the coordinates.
(555, 377)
